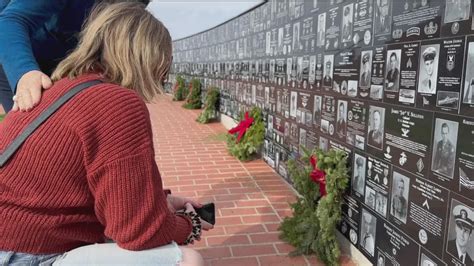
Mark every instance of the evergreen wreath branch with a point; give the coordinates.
(210, 106)
(193, 100)
(251, 143)
(312, 228)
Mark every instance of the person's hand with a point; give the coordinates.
(204, 225)
(178, 203)
(29, 90)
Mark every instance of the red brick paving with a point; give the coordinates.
(251, 199)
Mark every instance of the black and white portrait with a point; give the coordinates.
(324, 126)
(321, 34)
(469, 93)
(287, 129)
(382, 20)
(428, 73)
(289, 63)
(376, 127)
(296, 36)
(365, 69)
(392, 70)
(457, 10)
(280, 40)
(312, 69)
(347, 23)
(341, 124)
(367, 232)
(323, 143)
(268, 37)
(302, 137)
(460, 243)
(358, 174)
(469, 76)
(328, 70)
(381, 204)
(317, 109)
(294, 131)
(445, 139)
(293, 101)
(399, 202)
(370, 197)
(299, 70)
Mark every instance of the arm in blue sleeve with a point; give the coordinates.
(18, 22)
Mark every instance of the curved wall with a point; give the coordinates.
(387, 81)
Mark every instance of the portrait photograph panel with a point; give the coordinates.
(445, 140)
(347, 23)
(460, 242)
(381, 204)
(328, 70)
(428, 72)
(376, 127)
(341, 124)
(383, 17)
(317, 109)
(468, 97)
(365, 69)
(368, 232)
(457, 10)
(358, 174)
(392, 70)
(400, 193)
(321, 33)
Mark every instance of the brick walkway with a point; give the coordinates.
(251, 199)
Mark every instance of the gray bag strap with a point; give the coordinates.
(18, 141)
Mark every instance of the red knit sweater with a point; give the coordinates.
(87, 173)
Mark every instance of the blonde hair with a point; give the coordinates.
(124, 43)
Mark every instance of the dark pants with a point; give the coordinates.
(6, 93)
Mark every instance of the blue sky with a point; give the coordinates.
(184, 18)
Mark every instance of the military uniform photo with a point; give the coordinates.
(461, 245)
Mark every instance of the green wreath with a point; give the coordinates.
(312, 228)
(193, 100)
(210, 106)
(249, 145)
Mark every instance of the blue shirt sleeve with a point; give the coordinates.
(18, 22)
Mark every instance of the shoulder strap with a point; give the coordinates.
(18, 141)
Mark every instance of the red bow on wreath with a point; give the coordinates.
(242, 126)
(318, 176)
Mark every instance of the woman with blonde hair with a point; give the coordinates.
(88, 173)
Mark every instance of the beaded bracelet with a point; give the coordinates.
(197, 228)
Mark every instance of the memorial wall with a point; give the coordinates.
(391, 82)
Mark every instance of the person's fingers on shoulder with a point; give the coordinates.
(27, 100)
(35, 91)
(25, 84)
(15, 107)
(46, 81)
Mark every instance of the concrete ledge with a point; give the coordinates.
(348, 249)
(227, 121)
